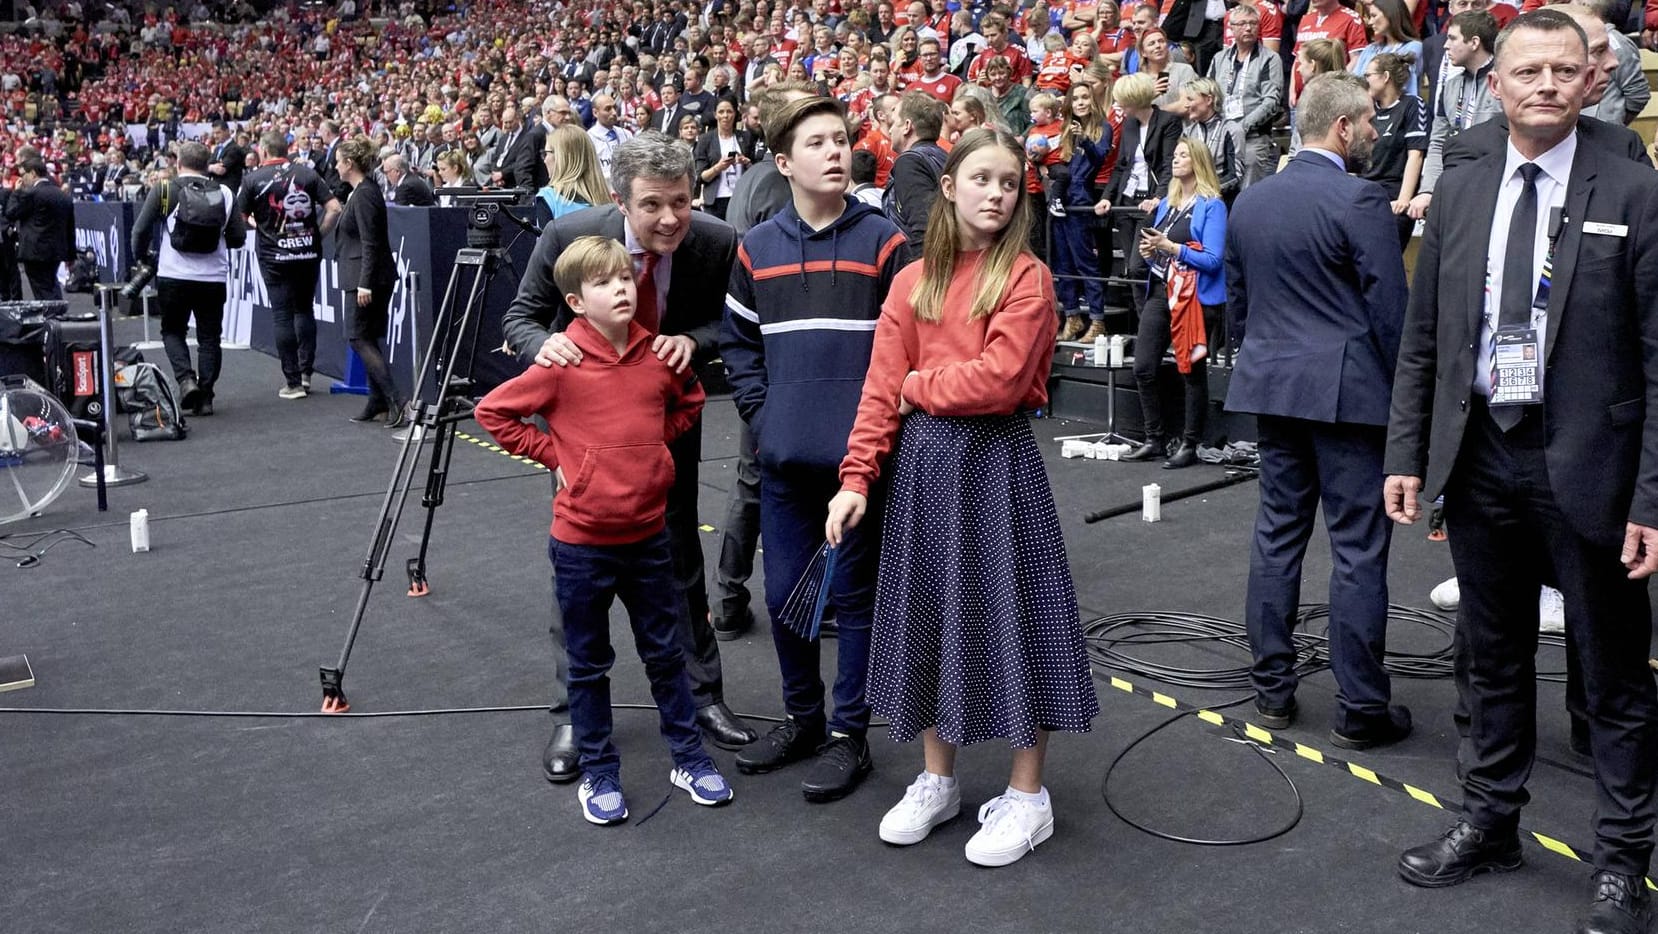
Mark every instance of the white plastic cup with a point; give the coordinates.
(1151, 503)
(140, 523)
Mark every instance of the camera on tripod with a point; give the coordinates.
(483, 212)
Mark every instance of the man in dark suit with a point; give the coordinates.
(667, 117)
(1538, 273)
(230, 161)
(524, 165)
(679, 256)
(45, 218)
(405, 187)
(1316, 288)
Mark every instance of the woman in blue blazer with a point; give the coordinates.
(1191, 213)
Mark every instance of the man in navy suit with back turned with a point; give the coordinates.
(1316, 288)
(677, 255)
(1527, 392)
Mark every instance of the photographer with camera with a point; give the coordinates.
(198, 221)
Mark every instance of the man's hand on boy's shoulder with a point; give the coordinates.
(675, 350)
(558, 350)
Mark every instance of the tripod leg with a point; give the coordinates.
(374, 566)
(437, 477)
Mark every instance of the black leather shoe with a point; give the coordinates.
(1275, 718)
(786, 743)
(1621, 905)
(723, 728)
(839, 769)
(560, 763)
(1378, 731)
(1184, 456)
(204, 405)
(733, 627)
(1462, 853)
(1151, 450)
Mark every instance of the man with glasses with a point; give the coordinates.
(934, 81)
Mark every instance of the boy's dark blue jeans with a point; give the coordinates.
(588, 579)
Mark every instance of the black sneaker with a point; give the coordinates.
(840, 768)
(729, 628)
(787, 743)
(1371, 732)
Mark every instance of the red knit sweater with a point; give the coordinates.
(995, 365)
(610, 420)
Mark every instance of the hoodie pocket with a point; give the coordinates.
(620, 486)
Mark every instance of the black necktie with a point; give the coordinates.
(1519, 278)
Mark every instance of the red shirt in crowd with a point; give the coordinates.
(1272, 22)
(1014, 55)
(1341, 23)
(942, 87)
(875, 141)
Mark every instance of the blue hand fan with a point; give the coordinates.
(803, 612)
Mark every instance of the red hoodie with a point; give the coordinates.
(610, 422)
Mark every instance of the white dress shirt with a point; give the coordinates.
(1551, 194)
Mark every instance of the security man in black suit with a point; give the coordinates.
(404, 187)
(686, 252)
(230, 161)
(1527, 393)
(45, 218)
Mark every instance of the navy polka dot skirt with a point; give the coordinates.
(976, 630)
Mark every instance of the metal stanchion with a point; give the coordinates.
(113, 473)
(148, 343)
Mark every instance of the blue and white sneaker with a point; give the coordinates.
(705, 785)
(601, 800)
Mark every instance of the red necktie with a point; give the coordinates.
(648, 314)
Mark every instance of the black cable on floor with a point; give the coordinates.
(1105, 787)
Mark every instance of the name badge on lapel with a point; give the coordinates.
(1606, 230)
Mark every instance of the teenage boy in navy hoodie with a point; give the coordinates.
(800, 315)
(610, 422)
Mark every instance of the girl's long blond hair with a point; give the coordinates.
(576, 173)
(943, 243)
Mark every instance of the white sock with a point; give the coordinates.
(942, 781)
(1040, 799)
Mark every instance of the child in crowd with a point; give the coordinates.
(1042, 146)
(976, 631)
(1083, 148)
(610, 421)
(805, 294)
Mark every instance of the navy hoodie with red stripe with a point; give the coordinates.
(610, 420)
(799, 324)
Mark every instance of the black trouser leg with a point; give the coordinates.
(740, 535)
(1150, 344)
(43, 280)
(702, 650)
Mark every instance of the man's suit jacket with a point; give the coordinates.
(363, 246)
(1483, 139)
(1600, 385)
(1316, 290)
(45, 217)
(523, 165)
(707, 152)
(413, 192)
(666, 119)
(235, 159)
(1161, 138)
(696, 287)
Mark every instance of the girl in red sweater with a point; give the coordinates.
(976, 633)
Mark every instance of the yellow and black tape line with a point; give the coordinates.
(1266, 738)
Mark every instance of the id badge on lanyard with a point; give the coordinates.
(1517, 354)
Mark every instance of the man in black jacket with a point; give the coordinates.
(45, 219)
(229, 161)
(405, 187)
(913, 183)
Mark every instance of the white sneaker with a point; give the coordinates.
(927, 803)
(1010, 828)
(291, 392)
(1446, 596)
(1551, 611)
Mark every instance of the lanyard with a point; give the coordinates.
(1237, 71)
(1557, 225)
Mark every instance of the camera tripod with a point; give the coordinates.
(443, 397)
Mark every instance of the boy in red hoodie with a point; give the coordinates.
(610, 423)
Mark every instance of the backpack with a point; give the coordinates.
(149, 399)
(197, 223)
